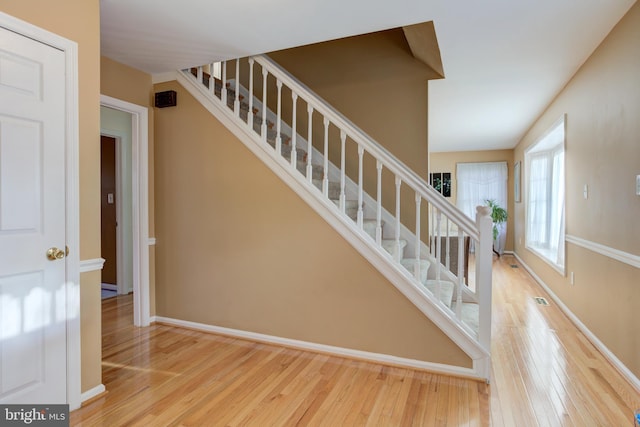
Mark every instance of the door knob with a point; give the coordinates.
(54, 254)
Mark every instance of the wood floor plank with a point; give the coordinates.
(544, 373)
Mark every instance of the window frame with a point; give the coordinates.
(538, 149)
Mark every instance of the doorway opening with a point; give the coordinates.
(109, 215)
(128, 124)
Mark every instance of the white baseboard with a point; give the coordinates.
(384, 359)
(624, 371)
(90, 394)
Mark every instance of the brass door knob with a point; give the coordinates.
(54, 254)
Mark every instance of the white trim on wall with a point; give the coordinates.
(91, 393)
(624, 371)
(384, 359)
(95, 264)
(72, 261)
(618, 255)
(140, 205)
(152, 241)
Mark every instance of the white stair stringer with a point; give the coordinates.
(393, 271)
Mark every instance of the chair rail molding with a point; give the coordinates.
(618, 255)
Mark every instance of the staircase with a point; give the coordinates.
(423, 271)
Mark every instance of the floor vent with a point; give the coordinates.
(513, 265)
(541, 301)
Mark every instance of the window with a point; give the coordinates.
(544, 162)
(441, 181)
(479, 182)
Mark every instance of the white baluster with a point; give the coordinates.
(343, 197)
(199, 75)
(416, 269)
(447, 256)
(398, 184)
(279, 118)
(223, 91)
(294, 126)
(438, 252)
(236, 102)
(360, 216)
(250, 113)
(379, 203)
(309, 144)
(461, 263)
(325, 178)
(432, 235)
(212, 80)
(263, 128)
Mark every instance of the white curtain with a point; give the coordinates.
(479, 182)
(546, 204)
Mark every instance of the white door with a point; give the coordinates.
(33, 313)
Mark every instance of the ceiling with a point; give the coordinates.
(504, 60)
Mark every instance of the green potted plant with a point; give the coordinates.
(498, 216)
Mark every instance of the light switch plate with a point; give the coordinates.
(637, 185)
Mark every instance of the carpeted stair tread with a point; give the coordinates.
(350, 207)
(470, 314)
(390, 246)
(409, 264)
(334, 187)
(446, 290)
(369, 226)
(317, 171)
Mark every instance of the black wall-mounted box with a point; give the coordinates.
(166, 99)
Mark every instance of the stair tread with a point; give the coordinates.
(389, 245)
(446, 290)
(409, 263)
(470, 314)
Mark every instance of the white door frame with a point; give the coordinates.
(140, 204)
(72, 204)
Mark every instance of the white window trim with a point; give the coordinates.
(542, 254)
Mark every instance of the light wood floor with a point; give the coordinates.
(545, 373)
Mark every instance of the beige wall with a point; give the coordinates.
(375, 81)
(237, 248)
(446, 162)
(128, 84)
(79, 20)
(602, 103)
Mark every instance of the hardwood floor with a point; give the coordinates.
(545, 373)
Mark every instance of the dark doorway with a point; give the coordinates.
(108, 209)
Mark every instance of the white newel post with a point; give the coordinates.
(484, 262)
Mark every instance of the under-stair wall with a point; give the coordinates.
(237, 249)
(463, 314)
